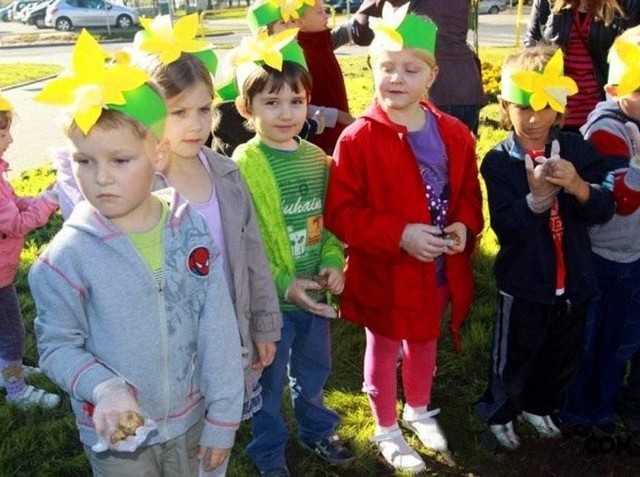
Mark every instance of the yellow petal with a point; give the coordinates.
(88, 57)
(58, 92)
(628, 52)
(5, 105)
(194, 46)
(273, 59)
(86, 119)
(279, 40)
(629, 82)
(162, 28)
(555, 66)
(526, 80)
(186, 28)
(556, 105)
(538, 101)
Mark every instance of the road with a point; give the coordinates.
(36, 130)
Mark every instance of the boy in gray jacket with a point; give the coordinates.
(134, 312)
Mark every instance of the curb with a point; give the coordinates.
(27, 83)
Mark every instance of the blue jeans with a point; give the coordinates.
(305, 349)
(612, 336)
(12, 334)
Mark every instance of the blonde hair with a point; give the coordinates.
(109, 120)
(602, 10)
(533, 58)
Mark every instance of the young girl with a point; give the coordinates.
(213, 185)
(18, 216)
(540, 215)
(405, 198)
(287, 178)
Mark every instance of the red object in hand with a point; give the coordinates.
(88, 408)
(627, 199)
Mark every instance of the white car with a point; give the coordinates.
(491, 6)
(65, 15)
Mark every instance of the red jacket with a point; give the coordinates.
(375, 190)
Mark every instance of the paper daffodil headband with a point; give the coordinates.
(398, 29)
(624, 66)
(5, 105)
(94, 85)
(262, 13)
(272, 51)
(169, 41)
(538, 89)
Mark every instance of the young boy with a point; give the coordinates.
(540, 215)
(613, 324)
(133, 310)
(287, 179)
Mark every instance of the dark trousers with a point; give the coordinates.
(469, 114)
(612, 336)
(536, 350)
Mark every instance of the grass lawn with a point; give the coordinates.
(39, 443)
(16, 73)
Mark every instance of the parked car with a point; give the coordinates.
(491, 6)
(4, 13)
(11, 12)
(65, 15)
(35, 15)
(341, 6)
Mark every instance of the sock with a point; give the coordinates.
(413, 413)
(13, 379)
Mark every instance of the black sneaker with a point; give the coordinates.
(331, 450)
(279, 472)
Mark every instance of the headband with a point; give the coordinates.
(398, 29)
(538, 89)
(263, 13)
(94, 85)
(169, 41)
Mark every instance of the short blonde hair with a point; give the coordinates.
(108, 121)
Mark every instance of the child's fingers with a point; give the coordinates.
(555, 149)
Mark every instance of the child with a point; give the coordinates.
(613, 323)
(214, 187)
(287, 178)
(133, 309)
(269, 18)
(540, 215)
(404, 196)
(18, 217)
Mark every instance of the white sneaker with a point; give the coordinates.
(397, 453)
(544, 425)
(26, 372)
(425, 426)
(35, 397)
(506, 435)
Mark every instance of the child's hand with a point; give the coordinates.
(335, 280)
(297, 294)
(457, 234)
(423, 242)
(562, 173)
(111, 398)
(266, 352)
(345, 118)
(212, 458)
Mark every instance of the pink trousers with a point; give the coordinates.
(418, 368)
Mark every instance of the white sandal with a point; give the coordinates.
(35, 397)
(426, 427)
(397, 453)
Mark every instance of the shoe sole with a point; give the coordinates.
(415, 470)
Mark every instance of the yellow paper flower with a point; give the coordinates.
(170, 41)
(5, 105)
(91, 85)
(265, 48)
(385, 28)
(289, 8)
(547, 87)
(629, 55)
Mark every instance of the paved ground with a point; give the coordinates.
(36, 131)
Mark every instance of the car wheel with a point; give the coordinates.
(124, 21)
(63, 24)
(39, 22)
(493, 10)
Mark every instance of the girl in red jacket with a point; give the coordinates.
(404, 196)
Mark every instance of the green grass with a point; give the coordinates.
(39, 443)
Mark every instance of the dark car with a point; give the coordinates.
(341, 5)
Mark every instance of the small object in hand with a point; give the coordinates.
(455, 240)
(128, 422)
(321, 280)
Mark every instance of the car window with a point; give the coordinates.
(97, 4)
